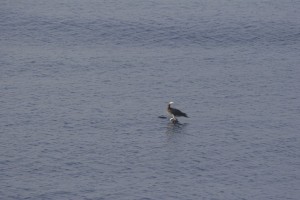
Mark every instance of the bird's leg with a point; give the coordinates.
(173, 118)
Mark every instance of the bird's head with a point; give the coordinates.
(171, 102)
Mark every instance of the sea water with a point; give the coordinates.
(83, 83)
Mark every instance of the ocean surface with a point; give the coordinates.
(83, 85)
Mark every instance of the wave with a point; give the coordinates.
(151, 33)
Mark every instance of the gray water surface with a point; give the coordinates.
(82, 84)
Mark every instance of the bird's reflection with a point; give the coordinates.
(175, 127)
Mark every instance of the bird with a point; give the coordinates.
(175, 113)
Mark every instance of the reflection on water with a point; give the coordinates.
(173, 128)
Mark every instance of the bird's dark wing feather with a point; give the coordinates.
(177, 112)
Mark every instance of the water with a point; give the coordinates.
(82, 84)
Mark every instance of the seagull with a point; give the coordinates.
(175, 113)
